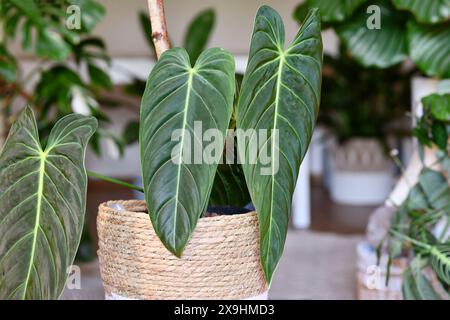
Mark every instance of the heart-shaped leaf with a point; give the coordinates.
(376, 47)
(429, 11)
(42, 205)
(429, 48)
(178, 98)
(280, 93)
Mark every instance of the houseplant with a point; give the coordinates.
(420, 227)
(58, 37)
(280, 93)
(195, 40)
(411, 231)
(362, 125)
(177, 194)
(43, 199)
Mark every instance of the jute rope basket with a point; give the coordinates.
(221, 260)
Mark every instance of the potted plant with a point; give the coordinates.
(362, 125)
(168, 246)
(420, 227)
(416, 243)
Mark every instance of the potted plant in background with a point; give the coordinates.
(364, 112)
(227, 256)
(413, 251)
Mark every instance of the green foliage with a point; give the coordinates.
(42, 205)
(376, 48)
(280, 93)
(413, 226)
(198, 33)
(416, 28)
(430, 11)
(177, 95)
(374, 99)
(42, 29)
(434, 126)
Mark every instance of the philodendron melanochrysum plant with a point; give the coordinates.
(280, 93)
(42, 205)
(43, 188)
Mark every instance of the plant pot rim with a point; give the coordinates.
(138, 208)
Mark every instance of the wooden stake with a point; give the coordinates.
(159, 28)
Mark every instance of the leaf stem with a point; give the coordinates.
(116, 181)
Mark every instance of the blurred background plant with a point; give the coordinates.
(405, 28)
(364, 102)
(420, 228)
(68, 72)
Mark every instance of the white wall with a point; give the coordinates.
(234, 23)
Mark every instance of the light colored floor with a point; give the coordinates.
(315, 265)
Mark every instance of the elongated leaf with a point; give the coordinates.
(177, 95)
(429, 48)
(198, 33)
(280, 93)
(42, 205)
(381, 47)
(429, 11)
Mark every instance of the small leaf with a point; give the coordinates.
(131, 132)
(440, 135)
(99, 78)
(198, 33)
(92, 13)
(439, 105)
(51, 45)
(8, 65)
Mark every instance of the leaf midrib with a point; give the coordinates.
(43, 156)
(180, 159)
(275, 122)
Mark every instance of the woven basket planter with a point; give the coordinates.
(221, 260)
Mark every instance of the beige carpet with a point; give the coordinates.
(314, 266)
